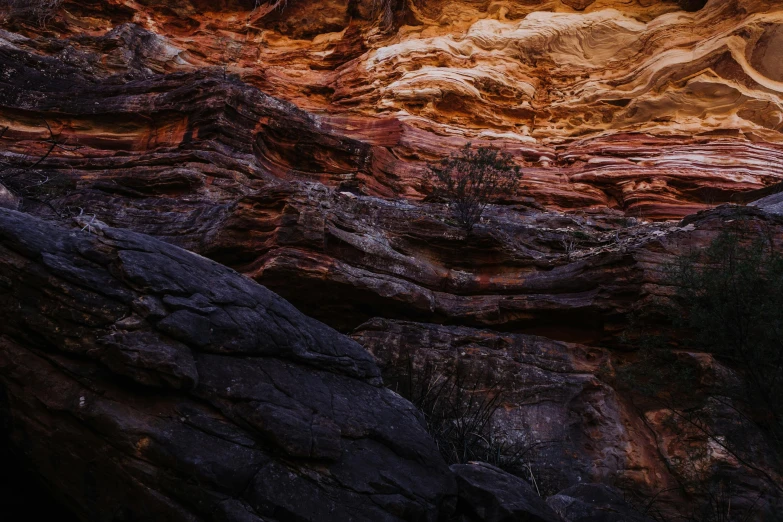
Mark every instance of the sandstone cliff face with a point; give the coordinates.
(640, 106)
(289, 142)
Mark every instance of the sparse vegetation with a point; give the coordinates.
(471, 178)
(39, 11)
(729, 303)
(27, 177)
(570, 244)
(460, 407)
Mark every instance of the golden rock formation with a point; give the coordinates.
(653, 107)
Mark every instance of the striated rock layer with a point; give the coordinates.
(213, 165)
(290, 142)
(640, 106)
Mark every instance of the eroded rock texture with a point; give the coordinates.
(641, 106)
(563, 408)
(289, 141)
(147, 382)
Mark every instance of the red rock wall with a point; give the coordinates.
(640, 106)
(207, 124)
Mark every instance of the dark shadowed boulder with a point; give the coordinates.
(8, 199)
(594, 503)
(488, 494)
(144, 382)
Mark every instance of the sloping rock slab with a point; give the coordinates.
(488, 494)
(772, 203)
(144, 382)
(594, 503)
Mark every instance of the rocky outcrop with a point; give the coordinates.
(563, 407)
(487, 494)
(638, 106)
(143, 381)
(595, 503)
(212, 164)
(201, 157)
(345, 259)
(574, 426)
(291, 144)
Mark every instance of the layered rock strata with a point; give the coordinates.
(638, 106)
(291, 144)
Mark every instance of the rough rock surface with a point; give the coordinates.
(560, 402)
(487, 494)
(595, 503)
(144, 381)
(576, 426)
(635, 105)
(217, 167)
(290, 144)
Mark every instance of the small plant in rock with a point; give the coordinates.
(570, 244)
(460, 407)
(40, 11)
(29, 177)
(471, 178)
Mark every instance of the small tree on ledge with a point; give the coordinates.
(471, 178)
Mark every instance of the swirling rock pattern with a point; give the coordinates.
(290, 142)
(641, 106)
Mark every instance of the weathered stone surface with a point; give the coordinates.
(561, 404)
(595, 503)
(204, 160)
(218, 127)
(487, 494)
(345, 259)
(144, 381)
(639, 106)
(576, 427)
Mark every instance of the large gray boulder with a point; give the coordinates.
(144, 382)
